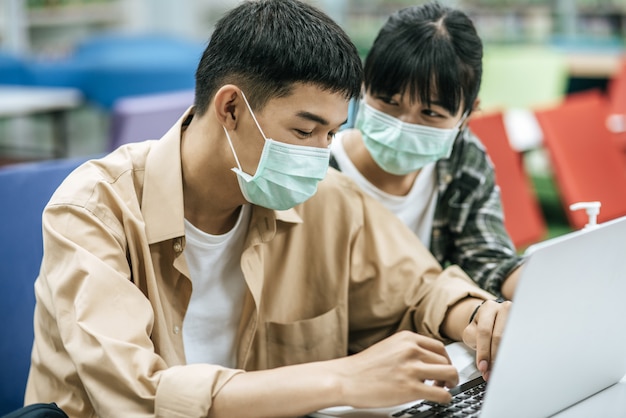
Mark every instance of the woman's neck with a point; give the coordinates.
(354, 146)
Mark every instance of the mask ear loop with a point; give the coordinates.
(230, 143)
(252, 114)
(462, 120)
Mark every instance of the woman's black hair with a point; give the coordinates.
(430, 52)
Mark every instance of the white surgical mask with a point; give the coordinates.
(286, 175)
(401, 148)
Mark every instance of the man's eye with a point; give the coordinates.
(304, 134)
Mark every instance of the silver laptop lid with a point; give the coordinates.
(564, 339)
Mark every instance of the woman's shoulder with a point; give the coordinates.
(472, 142)
(469, 152)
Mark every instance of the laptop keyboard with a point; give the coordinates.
(467, 399)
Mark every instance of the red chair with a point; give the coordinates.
(522, 215)
(585, 162)
(616, 92)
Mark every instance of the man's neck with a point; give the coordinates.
(211, 193)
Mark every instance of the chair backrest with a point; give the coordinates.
(616, 88)
(616, 91)
(13, 69)
(137, 118)
(25, 189)
(522, 214)
(109, 66)
(586, 163)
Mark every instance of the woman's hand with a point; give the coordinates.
(484, 333)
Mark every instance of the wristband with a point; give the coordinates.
(499, 300)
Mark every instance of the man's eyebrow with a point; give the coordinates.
(315, 118)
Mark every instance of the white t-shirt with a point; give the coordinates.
(416, 209)
(210, 325)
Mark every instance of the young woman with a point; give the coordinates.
(412, 150)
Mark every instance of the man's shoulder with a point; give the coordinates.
(120, 171)
(338, 184)
(339, 195)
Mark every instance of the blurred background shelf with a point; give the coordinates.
(585, 39)
(75, 14)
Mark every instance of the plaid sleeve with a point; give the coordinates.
(469, 222)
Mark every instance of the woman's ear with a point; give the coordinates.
(476, 105)
(228, 104)
(475, 108)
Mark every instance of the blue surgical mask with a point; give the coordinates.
(401, 148)
(286, 175)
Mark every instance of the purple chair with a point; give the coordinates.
(137, 118)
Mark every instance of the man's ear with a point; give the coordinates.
(228, 104)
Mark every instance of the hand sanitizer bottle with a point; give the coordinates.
(592, 209)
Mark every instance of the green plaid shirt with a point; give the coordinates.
(468, 225)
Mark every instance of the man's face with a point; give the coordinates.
(309, 116)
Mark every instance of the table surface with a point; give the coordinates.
(24, 100)
(609, 403)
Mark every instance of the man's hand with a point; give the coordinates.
(391, 372)
(484, 333)
(395, 370)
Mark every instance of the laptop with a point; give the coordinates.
(564, 339)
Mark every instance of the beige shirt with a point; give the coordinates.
(329, 277)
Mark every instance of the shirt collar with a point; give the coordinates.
(162, 202)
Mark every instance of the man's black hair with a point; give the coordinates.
(266, 46)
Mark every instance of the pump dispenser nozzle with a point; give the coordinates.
(592, 209)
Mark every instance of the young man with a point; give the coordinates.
(179, 280)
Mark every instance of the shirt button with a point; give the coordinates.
(436, 232)
(448, 178)
(176, 329)
(178, 247)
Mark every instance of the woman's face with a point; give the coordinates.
(399, 106)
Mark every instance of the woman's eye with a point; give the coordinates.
(430, 113)
(388, 100)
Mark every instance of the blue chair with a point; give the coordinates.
(25, 190)
(107, 67)
(13, 70)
